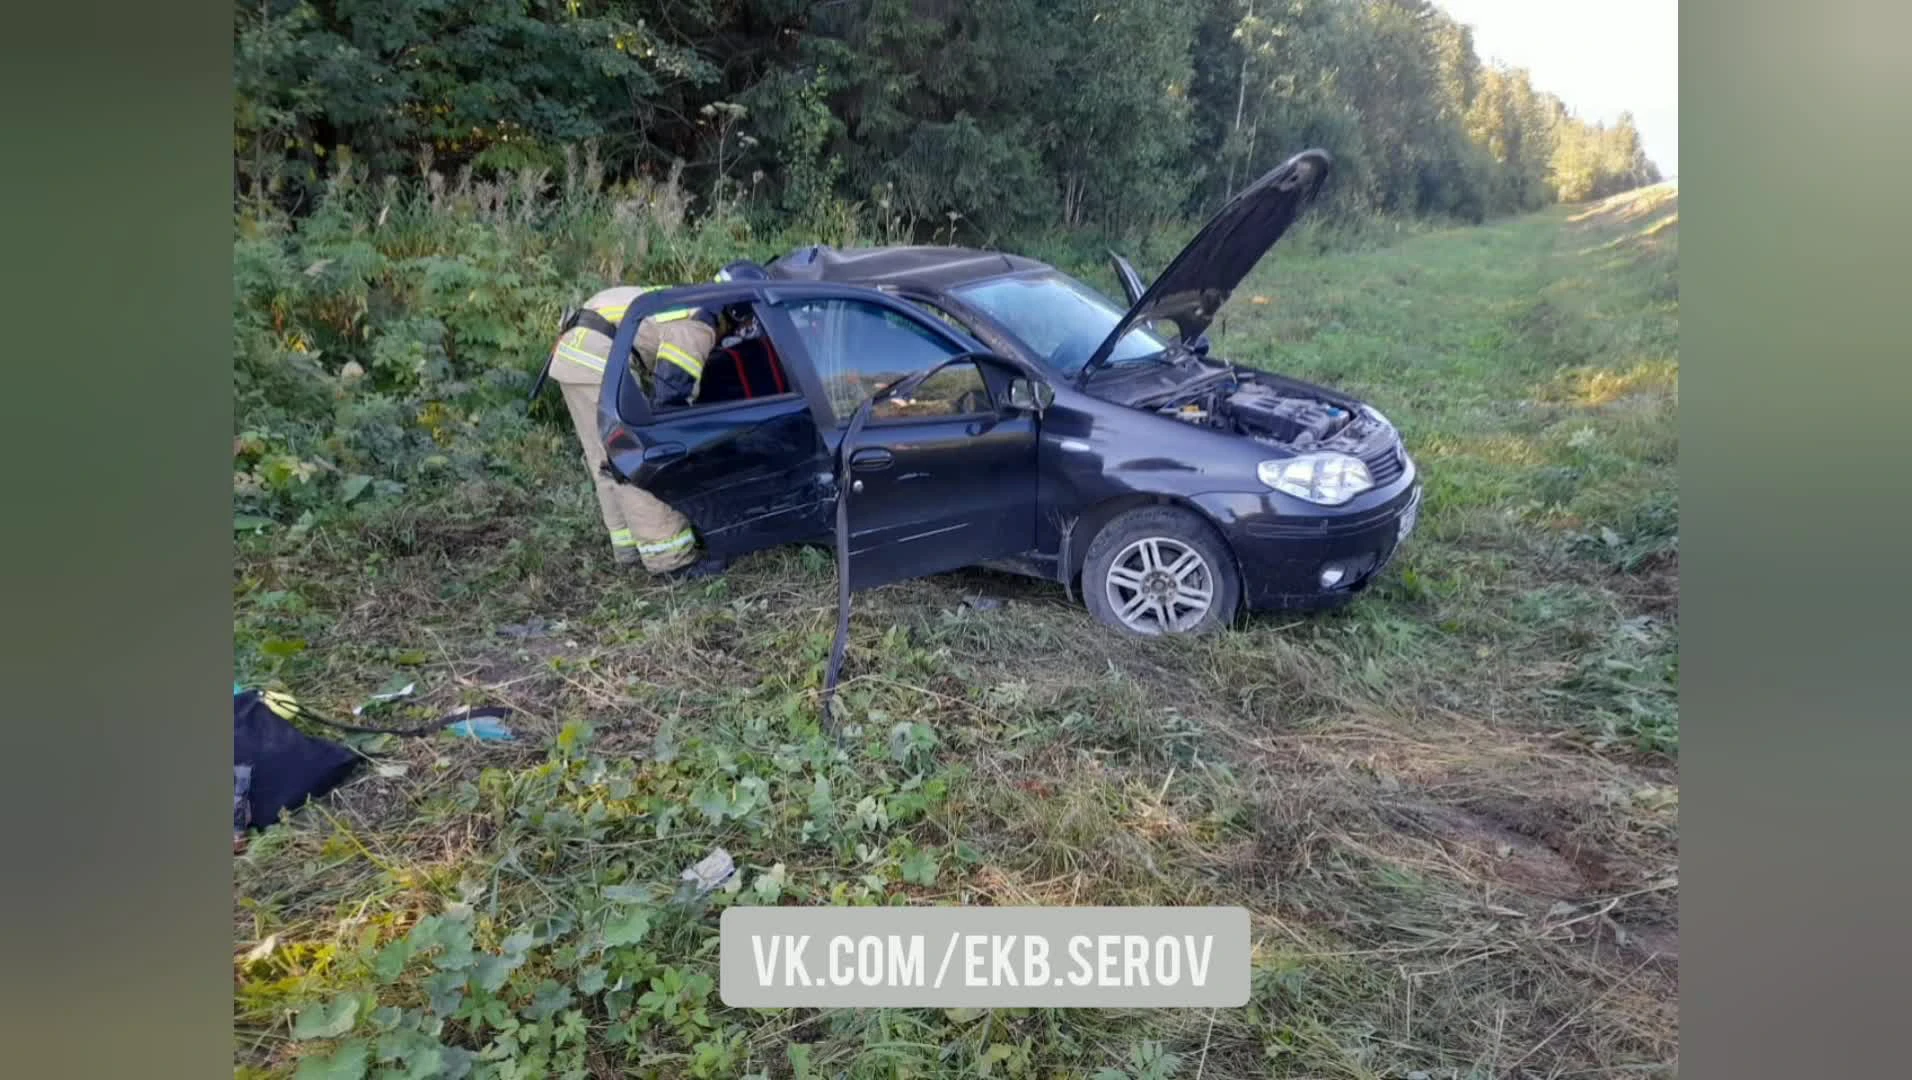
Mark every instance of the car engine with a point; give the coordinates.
(1263, 412)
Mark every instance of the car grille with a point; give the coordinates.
(1384, 465)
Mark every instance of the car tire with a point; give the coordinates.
(1155, 561)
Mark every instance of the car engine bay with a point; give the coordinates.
(1293, 419)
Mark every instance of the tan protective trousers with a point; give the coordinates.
(639, 522)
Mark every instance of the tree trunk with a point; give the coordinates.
(1241, 98)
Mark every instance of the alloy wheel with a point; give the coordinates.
(1158, 585)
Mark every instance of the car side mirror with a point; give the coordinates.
(1030, 395)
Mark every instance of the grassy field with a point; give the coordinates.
(1452, 807)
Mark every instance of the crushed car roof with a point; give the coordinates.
(924, 266)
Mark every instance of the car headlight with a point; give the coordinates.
(1328, 479)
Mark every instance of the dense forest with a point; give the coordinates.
(979, 119)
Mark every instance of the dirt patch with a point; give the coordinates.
(516, 659)
(1493, 850)
(441, 538)
(1573, 895)
(375, 801)
(1655, 585)
(1571, 830)
(1657, 944)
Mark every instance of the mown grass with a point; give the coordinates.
(1452, 808)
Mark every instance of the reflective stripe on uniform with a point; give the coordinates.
(673, 316)
(621, 538)
(676, 355)
(665, 547)
(580, 357)
(616, 313)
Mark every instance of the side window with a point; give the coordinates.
(858, 348)
(957, 390)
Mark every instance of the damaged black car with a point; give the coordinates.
(1016, 418)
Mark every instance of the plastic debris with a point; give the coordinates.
(983, 603)
(710, 872)
(482, 728)
(262, 950)
(384, 696)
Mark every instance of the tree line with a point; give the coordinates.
(979, 117)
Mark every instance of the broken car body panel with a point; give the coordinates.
(1014, 485)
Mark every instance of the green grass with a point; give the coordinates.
(1452, 807)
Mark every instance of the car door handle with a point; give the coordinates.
(663, 452)
(871, 458)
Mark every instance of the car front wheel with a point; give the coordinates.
(1160, 570)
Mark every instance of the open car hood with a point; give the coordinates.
(1199, 280)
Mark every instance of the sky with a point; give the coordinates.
(1600, 58)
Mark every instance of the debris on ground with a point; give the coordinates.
(483, 727)
(277, 767)
(393, 691)
(711, 871)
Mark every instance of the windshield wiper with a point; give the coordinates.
(1166, 358)
(1170, 356)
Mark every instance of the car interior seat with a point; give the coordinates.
(747, 369)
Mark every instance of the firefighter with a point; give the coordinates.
(672, 345)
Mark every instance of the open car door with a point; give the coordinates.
(940, 477)
(942, 472)
(750, 474)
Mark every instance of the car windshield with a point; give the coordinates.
(1059, 318)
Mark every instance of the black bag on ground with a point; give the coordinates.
(275, 765)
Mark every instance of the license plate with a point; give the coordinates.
(1408, 519)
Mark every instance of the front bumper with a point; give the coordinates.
(1282, 556)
